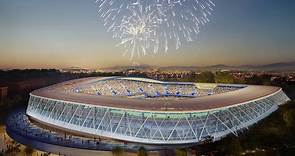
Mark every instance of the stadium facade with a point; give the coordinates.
(152, 112)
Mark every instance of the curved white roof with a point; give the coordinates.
(216, 101)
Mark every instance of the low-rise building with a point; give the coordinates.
(3, 92)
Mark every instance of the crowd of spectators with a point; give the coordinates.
(119, 87)
(223, 89)
(123, 87)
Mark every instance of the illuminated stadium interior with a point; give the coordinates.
(149, 89)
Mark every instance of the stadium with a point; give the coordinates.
(100, 113)
(152, 112)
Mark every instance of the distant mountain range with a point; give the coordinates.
(281, 66)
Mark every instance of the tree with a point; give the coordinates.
(205, 77)
(224, 77)
(266, 79)
(46, 154)
(255, 80)
(230, 146)
(117, 151)
(29, 151)
(289, 118)
(142, 152)
(181, 152)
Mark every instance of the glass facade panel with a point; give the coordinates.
(152, 127)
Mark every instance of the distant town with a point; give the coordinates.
(282, 73)
(273, 72)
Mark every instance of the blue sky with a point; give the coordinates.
(63, 33)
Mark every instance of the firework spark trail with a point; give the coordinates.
(149, 26)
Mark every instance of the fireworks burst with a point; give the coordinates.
(150, 26)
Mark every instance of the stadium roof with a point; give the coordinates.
(211, 102)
